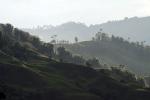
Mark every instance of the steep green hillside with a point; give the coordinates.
(62, 81)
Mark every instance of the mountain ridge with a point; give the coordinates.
(135, 28)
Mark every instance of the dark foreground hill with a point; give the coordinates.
(28, 73)
(50, 80)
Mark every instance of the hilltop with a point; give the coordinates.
(112, 50)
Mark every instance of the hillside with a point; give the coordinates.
(28, 71)
(135, 28)
(115, 51)
(46, 81)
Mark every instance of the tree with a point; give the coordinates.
(104, 37)
(49, 48)
(36, 41)
(19, 51)
(20, 35)
(9, 29)
(93, 38)
(94, 62)
(98, 36)
(78, 60)
(63, 55)
(1, 40)
(6, 34)
(113, 38)
(76, 39)
(101, 36)
(88, 64)
(53, 41)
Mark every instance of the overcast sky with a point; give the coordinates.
(29, 13)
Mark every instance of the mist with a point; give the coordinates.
(31, 13)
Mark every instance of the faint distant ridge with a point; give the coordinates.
(137, 28)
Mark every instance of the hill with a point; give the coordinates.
(29, 72)
(114, 51)
(134, 28)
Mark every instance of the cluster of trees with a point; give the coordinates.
(10, 35)
(15, 42)
(59, 42)
(124, 76)
(102, 36)
(65, 56)
(55, 41)
(6, 31)
(138, 47)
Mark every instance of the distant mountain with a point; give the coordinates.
(66, 31)
(137, 29)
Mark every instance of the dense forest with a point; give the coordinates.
(33, 70)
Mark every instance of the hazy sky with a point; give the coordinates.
(29, 13)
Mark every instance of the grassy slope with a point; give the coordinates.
(44, 79)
